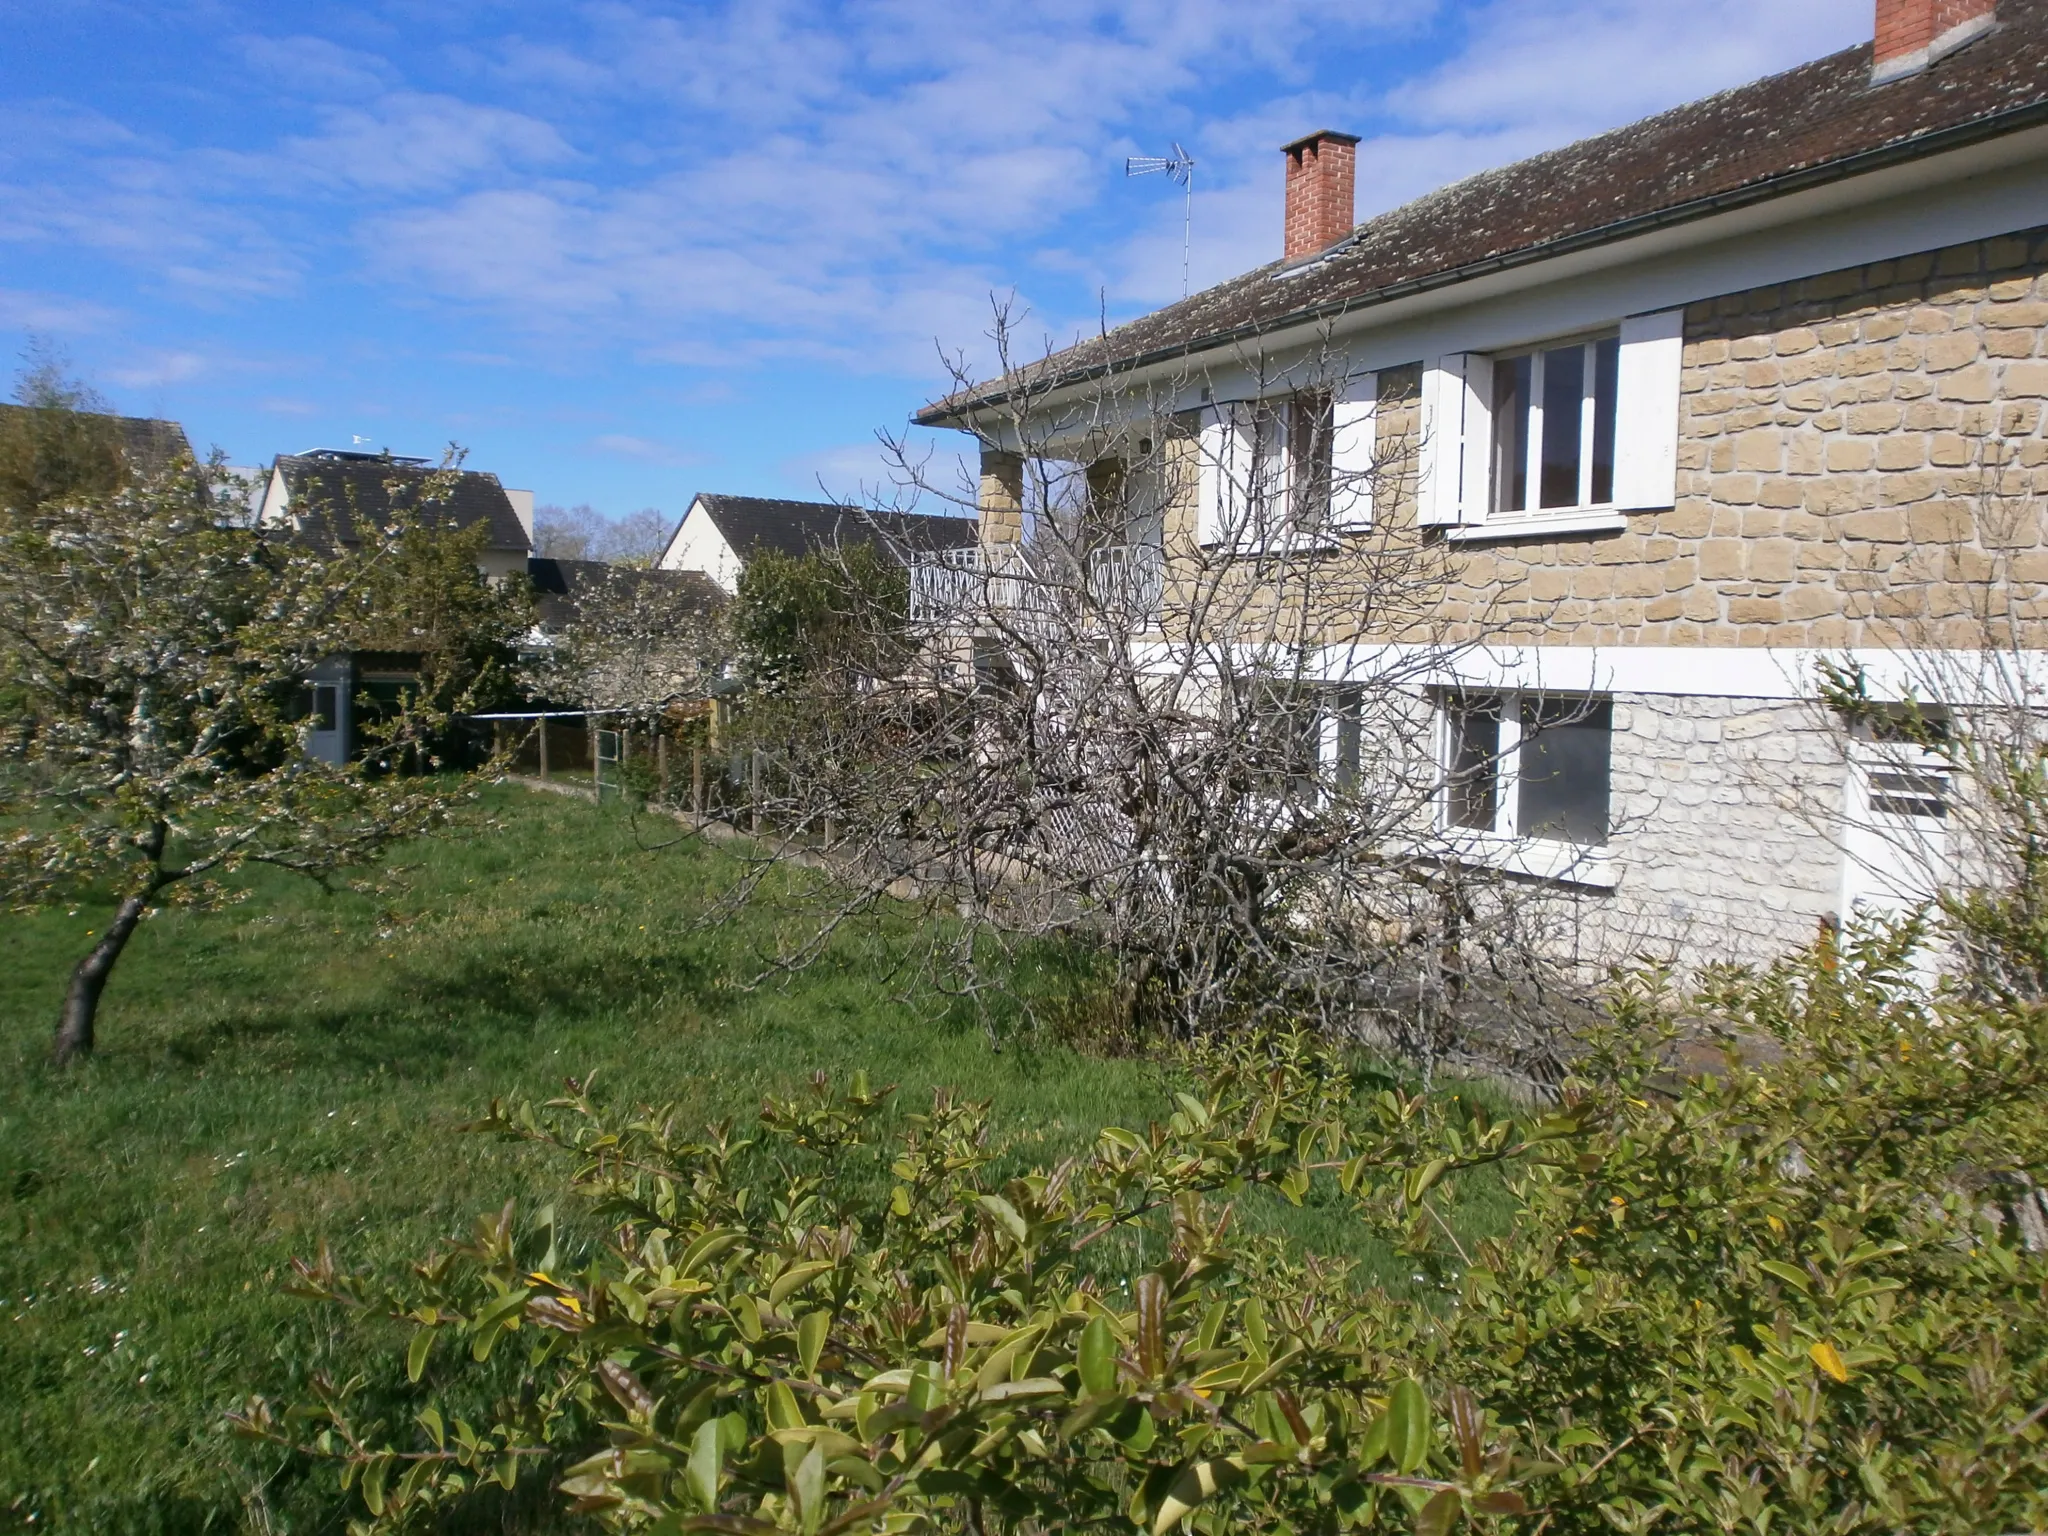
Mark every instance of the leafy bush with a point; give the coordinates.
(1802, 1292)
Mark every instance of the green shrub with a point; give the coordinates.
(1802, 1292)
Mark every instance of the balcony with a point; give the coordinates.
(1011, 583)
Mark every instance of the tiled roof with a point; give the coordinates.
(331, 492)
(150, 444)
(559, 585)
(753, 523)
(1815, 123)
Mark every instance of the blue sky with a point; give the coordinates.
(627, 251)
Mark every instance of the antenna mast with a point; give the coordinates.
(1179, 168)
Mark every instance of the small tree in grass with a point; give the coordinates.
(155, 650)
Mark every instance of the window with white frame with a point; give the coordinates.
(1573, 431)
(1285, 467)
(1553, 427)
(1527, 765)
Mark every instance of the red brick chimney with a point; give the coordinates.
(1911, 34)
(1321, 169)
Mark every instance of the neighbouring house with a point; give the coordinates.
(149, 444)
(718, 535)
(1686, 408)
(614, 647)
(329, 495)
(571, 590)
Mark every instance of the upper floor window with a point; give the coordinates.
(1572, 431)
(1553, 426)
(1298, 466)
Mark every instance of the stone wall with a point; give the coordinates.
(1718, 808)
(1837, 437)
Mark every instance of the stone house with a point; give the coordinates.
(1681, 410)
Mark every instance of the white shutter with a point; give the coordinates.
(1354, 444)
(1457, 449)
(1443, 423)
(1646, 416)
(1226, 456)
(1475, 482)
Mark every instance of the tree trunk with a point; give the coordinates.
(82, 997)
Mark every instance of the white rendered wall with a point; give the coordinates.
(699, 546)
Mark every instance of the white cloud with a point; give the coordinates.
(645, 449)
(864, 474)
(411, 142)
(761, 180)
(156, 369)
(314, 66)
(53, 313)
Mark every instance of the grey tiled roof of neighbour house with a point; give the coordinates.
(153, 444)
(331, 492)
(560, 586)
(1817, 123)
(751, 523)
(149, 443)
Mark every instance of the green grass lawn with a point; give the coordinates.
(293, 1068)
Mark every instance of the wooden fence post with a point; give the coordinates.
(697, 781)
(596, 767)
(661, 762)
(543, 746)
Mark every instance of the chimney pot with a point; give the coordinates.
(1911, 34)
(1321, 176)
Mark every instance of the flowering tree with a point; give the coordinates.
(155, 650)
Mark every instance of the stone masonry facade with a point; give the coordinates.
(1860, 454)
(1719, 811)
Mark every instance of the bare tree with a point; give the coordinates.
(583, 533)
(621, 638)
(1179, 709)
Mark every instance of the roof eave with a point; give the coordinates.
(1959, 136)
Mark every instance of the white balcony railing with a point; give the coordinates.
(1120, 582)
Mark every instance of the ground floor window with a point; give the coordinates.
(1527, 765)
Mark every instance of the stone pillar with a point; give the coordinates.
(1002, 497)
(1108, 516)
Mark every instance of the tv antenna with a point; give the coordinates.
(1179, 168)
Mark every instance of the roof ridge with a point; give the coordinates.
(1813, 122)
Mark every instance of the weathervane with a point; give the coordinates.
(1179, 167)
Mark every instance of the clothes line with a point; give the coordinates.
(553, 714)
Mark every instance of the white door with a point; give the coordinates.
(1895, 834)
(327, 736)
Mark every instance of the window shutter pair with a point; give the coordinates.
(1228, 446)
(1457, 425)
